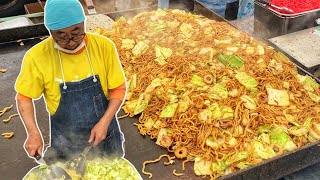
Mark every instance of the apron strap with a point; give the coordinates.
(62, 72)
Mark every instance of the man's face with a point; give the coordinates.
(70, 37)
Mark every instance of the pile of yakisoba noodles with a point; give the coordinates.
(210, 93)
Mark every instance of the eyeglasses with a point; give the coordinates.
(74, 38)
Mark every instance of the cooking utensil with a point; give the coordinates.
(281, 9)
(90, 7)
(79, 164)
(55, 172)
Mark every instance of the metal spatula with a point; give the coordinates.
(90, 7)
(79, 164)
(55, 172)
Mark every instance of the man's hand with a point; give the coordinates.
(99, 132)
(34, 144)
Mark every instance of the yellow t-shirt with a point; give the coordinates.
(41, 73)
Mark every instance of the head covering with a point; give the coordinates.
(59, 14)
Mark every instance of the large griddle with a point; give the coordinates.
(138, 148)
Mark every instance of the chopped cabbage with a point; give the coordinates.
(205, 116)
(130, 106)
(153, 85)
(248, 102)
(237, 157)
(314, 97)
(169, 110)
(133, 82)
(211, 142)
(164, 138)
(209, 50)
(96, 169)
(149, 123)
(264, 129)
(250, 50)
(232, 49)
(231, 61)
(280, 137)
(309, 83)
(218, 92)
(222, 41)
(127, 44)
(198, 81)
(142, 103)
(157, 124)
(264, 138)
(260, 50)
(162, 54)
(227, 112)
(201, 166)
(278, 97)
(247, 81)
(233, 93)
(263, 151)
(140, 48)
(159, 26)
(184, 104)
(186, 29)
(216, 111)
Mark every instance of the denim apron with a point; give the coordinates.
(82, 104)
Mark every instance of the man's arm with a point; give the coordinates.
(34, 142)
(99, 131)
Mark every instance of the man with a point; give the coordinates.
(227, 9)
(75, 71)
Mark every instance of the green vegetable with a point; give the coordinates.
(205, 116)
(197, 80)
(96, 169)
(231, 61)
(211, 142)
(159, 27)
(133, 82)
(280, 137)
(281, 57)
(162, 54)
(314, 97)
(264, 129)
(164, 138)
(184, 104)
(157, 124)
(248, 102)
(202, 167)
(278, 97)
(233, 92)
(140, 48)
(264, 138)
(149, 123)
(263, 151)
(142, 103)
(242, 165)
(127, 44)
(154, 83)
(206, 50)
(237, 157)
(301, 130)
(160, 12)
(218, 92)
(215, 109)
(227, 112)
(186, 29)
(169, 110)
(309, 83)
(247, 81)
